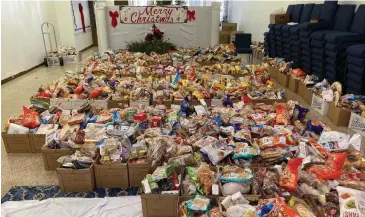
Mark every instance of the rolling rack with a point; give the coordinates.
(52, 57)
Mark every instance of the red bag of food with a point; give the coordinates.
(30, 118)
(79, 90)
(289, 178)
(282, 114)
(332, 169)
(298, 73)
(95, 93)
(280, 209)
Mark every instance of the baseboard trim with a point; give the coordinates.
(6, 80)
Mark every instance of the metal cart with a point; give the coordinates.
(52, 57)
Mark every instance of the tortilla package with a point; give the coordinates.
(352, 202)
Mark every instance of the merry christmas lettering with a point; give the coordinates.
(153, 15)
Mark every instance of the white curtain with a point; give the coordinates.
(138, 2)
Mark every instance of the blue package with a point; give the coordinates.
(218, 120)
(227, 101)
(116, 117)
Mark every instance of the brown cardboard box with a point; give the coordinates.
(305, 93)
(117, 103)
(73, 180)
(283, 79)
(111, 175)
(16, 143)
(50, 157)
(167, 103)
(136, 173)
(229, 27)
(274, 72)
(279, 18)
(339, 116)
(233, 36)
(37, 141)
(156, 205)
(224, 37)
(293, 84)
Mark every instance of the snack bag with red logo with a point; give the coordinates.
(280, 209)
(332, 169)
(30, 118)
(282, 114)
(290, 176)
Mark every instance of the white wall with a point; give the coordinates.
(22, 42)
(253, 16)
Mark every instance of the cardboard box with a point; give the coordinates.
(118, 103)
(279, 18)
(167, 103)
(224, 37)
(293, 84)
(156, 205)
(229, 27)
(233, 36)
(16, 143)
(50, 157)
(283, 79)
(53, 61)
(319, 105)
(69, 59)
(338, 116)
(357, 123)
(136, 173)
(71, 104)
(305, 93)
(274, 72)
(111, 175)
(73, 180)
(37, 141)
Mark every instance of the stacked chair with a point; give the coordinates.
(356, 73)
(291, 32)
(338, 42)
(295, 17)
(342, 22)
(305, 30)
(270, 36)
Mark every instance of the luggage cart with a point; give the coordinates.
(52, 57)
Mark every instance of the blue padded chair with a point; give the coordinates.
(270, 36)
(306, 16)
(355, 82)
(243, 45)
(325, 21)
(295, 18)
(338, 42)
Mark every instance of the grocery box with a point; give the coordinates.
(224, 37)
(53, 61)
(137, 103)
(233, 36)
(111, 175)
(283, 79)
(305, 93)
(274, 72)
(118, 103)
(136, 173)
(229, 27)
(76, 180)
(181, 199)
(155, 205)
(71, 104)
(357, 123)
(167, 103)
(50, 157)
(279, 18)
(69, 59)
(319, 105)
(37, 141)
(339, 116)
(16, 143)
(293, 84)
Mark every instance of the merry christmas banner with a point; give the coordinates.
(153, 14)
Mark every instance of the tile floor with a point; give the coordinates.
(28, 169)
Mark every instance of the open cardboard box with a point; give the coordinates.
(111, 175)
(319, 105)
(305, 93)
(274, 72)
(16, 143)
(76, 180)
(339, 116)
(37, 141)
(161, 204)
(50, 157)
(357, 123)
(283, 79)
(293, 84)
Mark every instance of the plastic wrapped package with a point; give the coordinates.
(215, 155)
(31, 118)
(231, 188)
(290, 176)
(243, 176)
(156, 150)
(351, 202)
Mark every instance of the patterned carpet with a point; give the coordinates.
(19, 193)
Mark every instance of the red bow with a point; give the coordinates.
(191, 15)
(82, 17)
(114, 15)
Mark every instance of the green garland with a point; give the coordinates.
(156, 46)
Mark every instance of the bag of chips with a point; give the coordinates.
(290, 176)
(282, 114)
(30, 118)
(332, 169)
(244, 176)
(243, 151)
(281, 209)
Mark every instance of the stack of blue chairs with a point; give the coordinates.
(342, 22)
(306, 29)
(293, 32)
(305, 17)
(270, 36)
(268, 52)
(356, 73)
(295, 18)
(338, 42)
